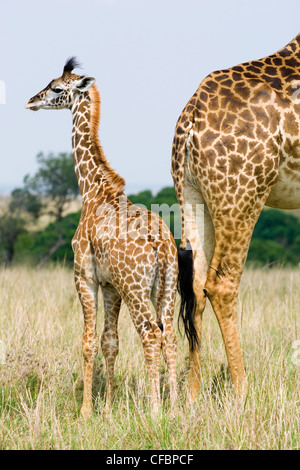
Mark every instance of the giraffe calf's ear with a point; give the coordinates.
(84, 83)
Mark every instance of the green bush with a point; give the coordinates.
(276, 237)
(32, 247)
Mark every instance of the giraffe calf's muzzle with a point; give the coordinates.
(33, 105)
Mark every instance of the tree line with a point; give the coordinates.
(276, 237)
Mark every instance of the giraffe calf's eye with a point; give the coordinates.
(57, 90)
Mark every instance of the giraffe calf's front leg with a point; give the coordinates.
(90, 351)
(110, 349)
(88, 291)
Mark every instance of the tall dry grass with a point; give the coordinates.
(41, 382)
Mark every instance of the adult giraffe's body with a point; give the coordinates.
(128, 251)
(236, 148)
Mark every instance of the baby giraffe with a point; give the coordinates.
(126, 250)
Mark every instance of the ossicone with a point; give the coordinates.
(70, 65)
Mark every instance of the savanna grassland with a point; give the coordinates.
(41, 382)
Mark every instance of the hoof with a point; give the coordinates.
(86, 411)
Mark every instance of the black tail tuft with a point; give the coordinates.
(186, 291)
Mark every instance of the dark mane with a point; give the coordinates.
(71, 64)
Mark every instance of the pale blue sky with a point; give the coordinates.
(148, 57)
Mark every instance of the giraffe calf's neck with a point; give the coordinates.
(93, 172)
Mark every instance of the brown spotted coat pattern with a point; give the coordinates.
(236, 148)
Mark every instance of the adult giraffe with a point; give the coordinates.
(236, 148)
(126, 250)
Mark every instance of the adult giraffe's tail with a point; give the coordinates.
(188, 298)
(185, 254)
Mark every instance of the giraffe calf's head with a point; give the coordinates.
(62, 92)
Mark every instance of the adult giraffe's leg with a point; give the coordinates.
(109, 338)
(200, 233)
(221, 288)
(87, 291)
(235, 213)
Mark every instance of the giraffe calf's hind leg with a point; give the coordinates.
(151, 341)
(169, 353)
(151, 337)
